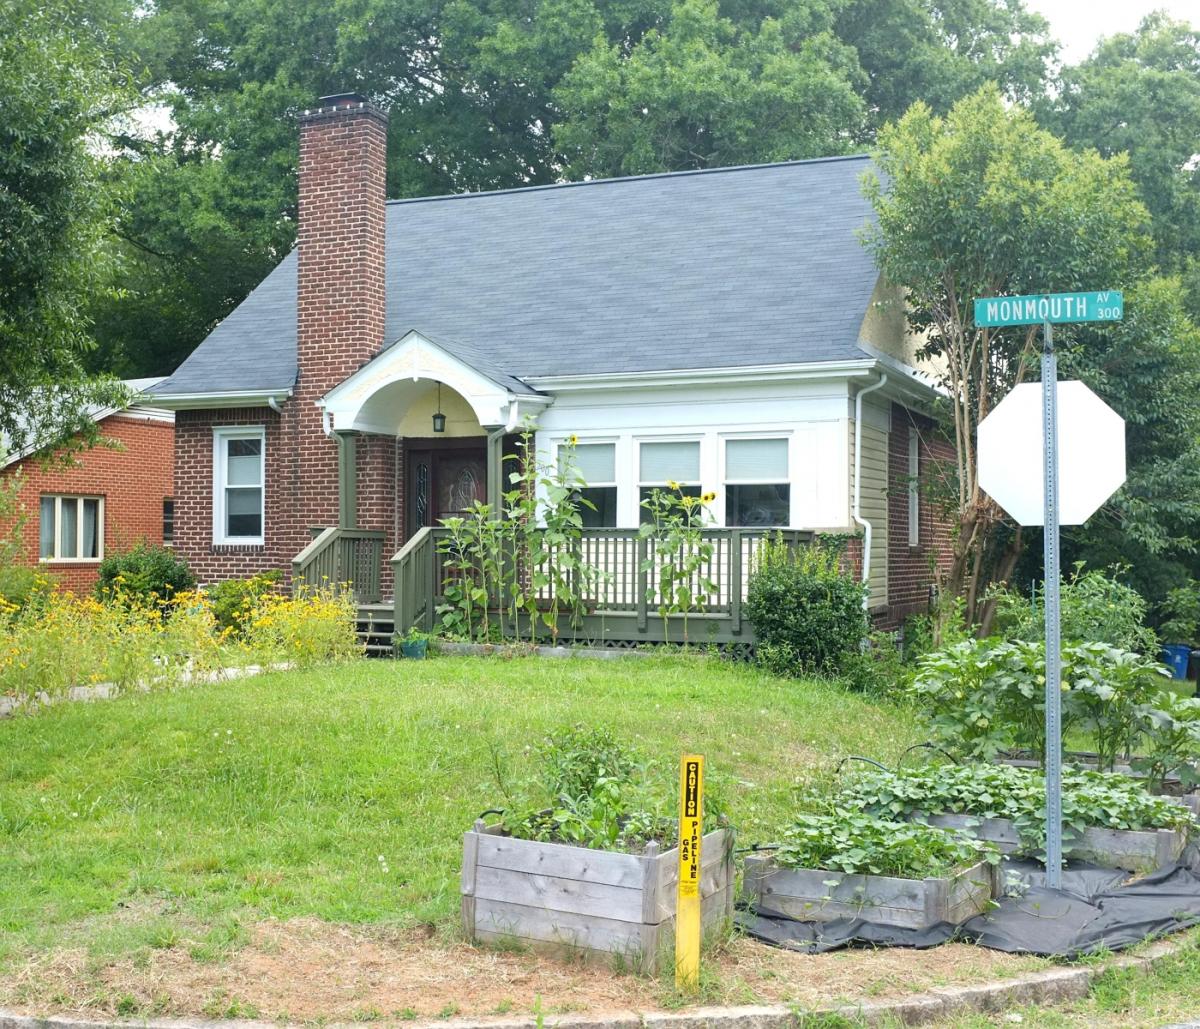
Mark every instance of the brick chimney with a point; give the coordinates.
(343, 171)
(341, 288)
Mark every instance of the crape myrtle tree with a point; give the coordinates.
(983, 202)
(57, 91)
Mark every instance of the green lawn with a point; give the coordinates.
(342, 793)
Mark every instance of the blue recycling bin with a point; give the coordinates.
(1175, 656)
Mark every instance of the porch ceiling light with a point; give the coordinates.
(439, 419)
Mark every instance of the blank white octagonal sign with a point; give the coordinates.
(1091, 453)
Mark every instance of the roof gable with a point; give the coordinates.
(622, 275)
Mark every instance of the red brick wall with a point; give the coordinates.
(911, 570)
(133, 479)
(340, 319)
(194, 497)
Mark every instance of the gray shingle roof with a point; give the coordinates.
(723, 268)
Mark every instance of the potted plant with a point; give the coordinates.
(414, 643)
(1181, 627)
(852, 864)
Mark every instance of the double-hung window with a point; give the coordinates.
(239, 476)
(596, 464)
(664, 464)
(71, 528)
(757, 490)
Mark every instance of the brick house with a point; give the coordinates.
(723, 329)
(105, 499)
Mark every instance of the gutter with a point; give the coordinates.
(231, 398)
(856, 513)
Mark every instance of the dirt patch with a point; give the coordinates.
(308, 970)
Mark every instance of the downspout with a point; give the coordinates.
(274, 405)
(857, 511)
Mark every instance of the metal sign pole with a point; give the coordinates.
(1052, 609)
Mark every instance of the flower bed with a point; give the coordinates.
(1108, 818)
(586, 902)
(855, 865)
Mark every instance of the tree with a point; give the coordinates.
(938, 51)
(1140, 94)
(57, 91)
(701, 92)
(984, 203)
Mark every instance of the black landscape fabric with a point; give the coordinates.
(1093, 911)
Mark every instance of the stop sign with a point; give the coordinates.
(1091, 453)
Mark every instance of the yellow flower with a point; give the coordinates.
(672, 484)
(709, 497)
(572, 439)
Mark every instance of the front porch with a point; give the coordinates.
(619, 602)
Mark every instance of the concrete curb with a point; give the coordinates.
(1053, 986)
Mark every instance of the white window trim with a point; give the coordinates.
(77, 497)
(221, 434)
(914, 489)
(788, 480)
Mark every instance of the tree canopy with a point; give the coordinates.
(56, 90)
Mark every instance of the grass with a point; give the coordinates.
(182, 818)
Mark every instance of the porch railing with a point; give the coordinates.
(343, 556)
(618, 596)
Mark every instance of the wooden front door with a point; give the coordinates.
(443, 479)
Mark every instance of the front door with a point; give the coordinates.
(443, 479)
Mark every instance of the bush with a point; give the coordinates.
(313, 625)
(145, 574)
(1096, 608)
(235, 600)
(808, 616)
(878, 667)
(21, 586)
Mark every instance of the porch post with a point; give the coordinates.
(347, 444)
(495, 468)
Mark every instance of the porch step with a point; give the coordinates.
(375, 625)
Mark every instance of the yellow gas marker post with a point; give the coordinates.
(687, 902)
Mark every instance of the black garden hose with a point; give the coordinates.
(928, 745)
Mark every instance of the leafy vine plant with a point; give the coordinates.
(678, 555)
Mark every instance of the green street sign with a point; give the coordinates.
(1056, 308)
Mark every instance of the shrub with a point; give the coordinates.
(981, 697)
(878, 667)
(1096, 608)
(1181, 609)
(235, 600)
(807, 614)
(21, 586)
(311, 626)
(147, 573)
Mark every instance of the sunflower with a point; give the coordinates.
(709, 497)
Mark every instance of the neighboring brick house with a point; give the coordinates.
(721, 329)
(101, 500)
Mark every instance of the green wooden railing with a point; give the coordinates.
(616, 597)
(338, 557)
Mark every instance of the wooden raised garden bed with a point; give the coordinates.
(593, 903)
(805, 894)
(1132, 850)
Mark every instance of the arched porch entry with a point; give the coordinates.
(437, 469)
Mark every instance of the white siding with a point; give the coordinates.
(812, 415)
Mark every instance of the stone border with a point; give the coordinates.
(9, 706)
(1053, 986)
